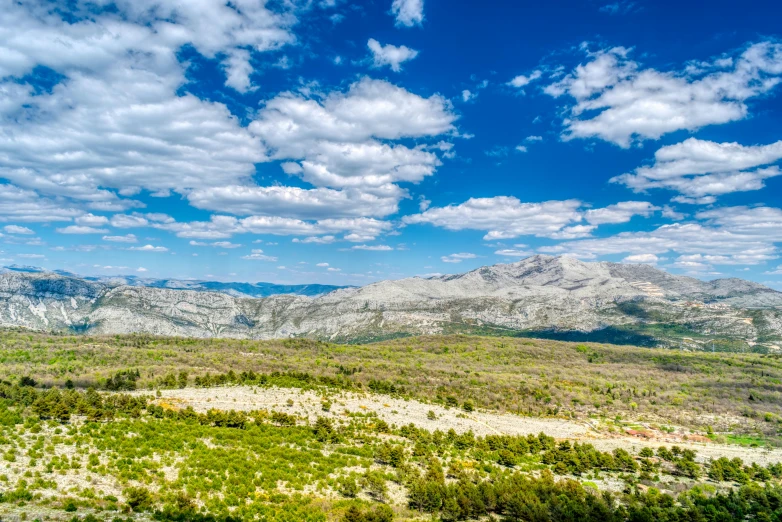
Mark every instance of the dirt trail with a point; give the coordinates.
(401, 412)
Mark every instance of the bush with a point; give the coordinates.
(379, 514)
(139, 499)
(27, 381)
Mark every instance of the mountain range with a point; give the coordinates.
(558, 297)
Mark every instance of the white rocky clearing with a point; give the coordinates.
(399, 412)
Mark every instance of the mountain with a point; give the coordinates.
(542, 296)
(231, 288)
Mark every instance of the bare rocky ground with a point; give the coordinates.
(309, 405)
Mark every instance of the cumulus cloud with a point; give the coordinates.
(620, 212)
(522, 81)
(511, 252)
(336, 141)
(149, 248)
(700, 170)
(16, 229)
(619, 101)
(762, 221)
(724, 236)
(80, 229)
(218, 244)
(317, 203)
(258, 255)
(408, 12)
(390, 55)
(457, 258)
(238, 70)
(373, 248)
(91, 220)
(223, 227)
(318, 240)
(502, 217)
(649, 259)
(22, 205)
(127, 238)
(116, 123)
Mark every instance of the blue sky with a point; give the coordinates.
(337, 142)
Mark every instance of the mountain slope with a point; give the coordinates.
(538, 295)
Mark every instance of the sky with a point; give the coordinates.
(329, 141)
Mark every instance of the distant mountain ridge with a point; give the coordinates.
(236, 289)
(540, 295)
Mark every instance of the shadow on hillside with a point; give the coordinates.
(608, 335)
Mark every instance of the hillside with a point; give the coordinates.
(544, 296)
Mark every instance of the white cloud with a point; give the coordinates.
(322, 265)
(91, 220)
(573, 232)
(127, 238)
(502, 217)
(408, 12)
(27, 206)
(457, 258)
(223, 227)
(16, 229)
(374, 248)
(510, 252)
(671, 213)
(521, 148)
(650, 259)
(733, 235)
(295, 202)
(78, 229)
(149, 248)
(700, 170)
(128, 221)
(258, 255)
(762, 222)
(141, 269)
(522, 81)
(620, 212)
(337, 140)
(238, 70)
(318, 240)
(332, 269)
(390, 55)
(116, 122)
(618, 101)
(467, 95)
(226, 244)
(219, 244)
(31, 256)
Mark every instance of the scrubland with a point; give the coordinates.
(441, 427)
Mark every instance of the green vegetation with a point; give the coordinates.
(85, 436)
(735, 394)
